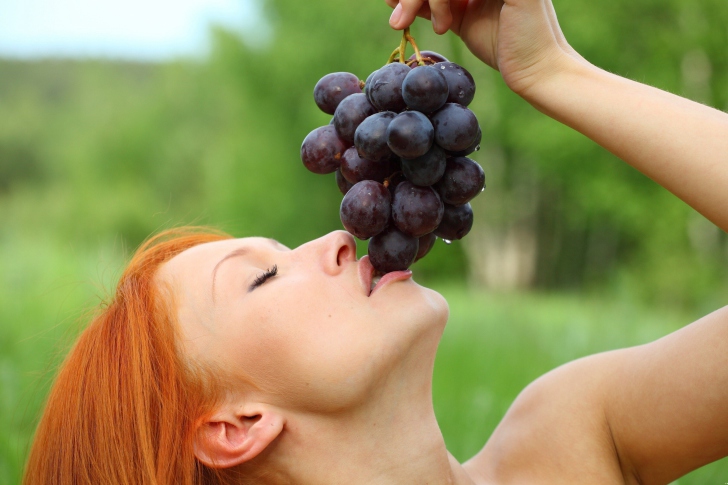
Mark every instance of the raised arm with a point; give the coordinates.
(647, 414)
(680, 144)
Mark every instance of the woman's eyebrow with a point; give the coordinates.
(236, 252)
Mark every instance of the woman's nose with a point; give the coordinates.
(333, 251)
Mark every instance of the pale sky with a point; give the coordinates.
(133, 29)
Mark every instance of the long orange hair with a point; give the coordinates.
(123, 406)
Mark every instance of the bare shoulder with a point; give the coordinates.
(557, 430)
(646, 414)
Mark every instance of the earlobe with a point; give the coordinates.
(226, 439)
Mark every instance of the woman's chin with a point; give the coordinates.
(422, 304)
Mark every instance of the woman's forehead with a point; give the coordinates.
(210, 253)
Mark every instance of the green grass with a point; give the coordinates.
(493, 346)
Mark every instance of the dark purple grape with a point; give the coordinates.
(456, 127)
(368, 86)
(392, 250)
(386, 87)
(355, 168)
(416, 210)
(370, 137)
(463, 180)
(343, 184)
(460, 83)
(425, 89)
(351, 112)
(475, 146)
(322, 149)
(410, 134)
(334, 87)
(433, 57)
(457, 221)
(426, 242)
(365, 209)
(427, 169)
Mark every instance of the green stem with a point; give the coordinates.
(393, 56)
(399, 53)
(403, 45)
(411, 40)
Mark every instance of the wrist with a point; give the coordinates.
(545, 85)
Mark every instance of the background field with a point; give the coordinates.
(572, 252)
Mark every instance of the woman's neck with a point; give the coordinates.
(382, 445)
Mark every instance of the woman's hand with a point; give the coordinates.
(520, 38)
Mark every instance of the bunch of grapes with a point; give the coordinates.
(398, 144)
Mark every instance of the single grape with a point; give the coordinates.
(425, 89)
(386, 87)
(427, 169)
(350, 113)
(457, 220)
(416, 210)
(425, 244)
(460, 84)
(456, 127)
(322, 149)
(334, 87)
(370, 137)
(343, 184)
(410, 134)
(365, 209)
(430, 57)
(463, 180)
(368, 86)
(475, 146)
(355, 168)
(392, 250)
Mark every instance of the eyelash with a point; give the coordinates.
(269, 273)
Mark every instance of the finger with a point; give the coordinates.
(404, 13)
(441, 15)
(424, 11)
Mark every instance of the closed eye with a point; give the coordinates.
(269, 273)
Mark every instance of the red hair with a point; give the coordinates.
(123, 407)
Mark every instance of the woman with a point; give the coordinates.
(226, 360)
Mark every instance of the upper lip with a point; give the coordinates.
(366, 274)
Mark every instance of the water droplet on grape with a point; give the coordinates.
(477, 148)
(447, 241)
(483, 189)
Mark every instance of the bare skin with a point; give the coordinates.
(648, 414)
(327, 384)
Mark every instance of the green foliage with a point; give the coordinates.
(97, 155)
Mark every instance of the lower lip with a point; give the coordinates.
(391, 278)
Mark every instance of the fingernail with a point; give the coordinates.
(395, 15)
(434, 25)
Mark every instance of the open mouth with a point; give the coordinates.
(372, 282)
(375, 280)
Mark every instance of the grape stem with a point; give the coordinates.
(388, 180)
(399, 53)
(411, 40)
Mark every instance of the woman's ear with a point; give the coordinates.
(229, 438)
